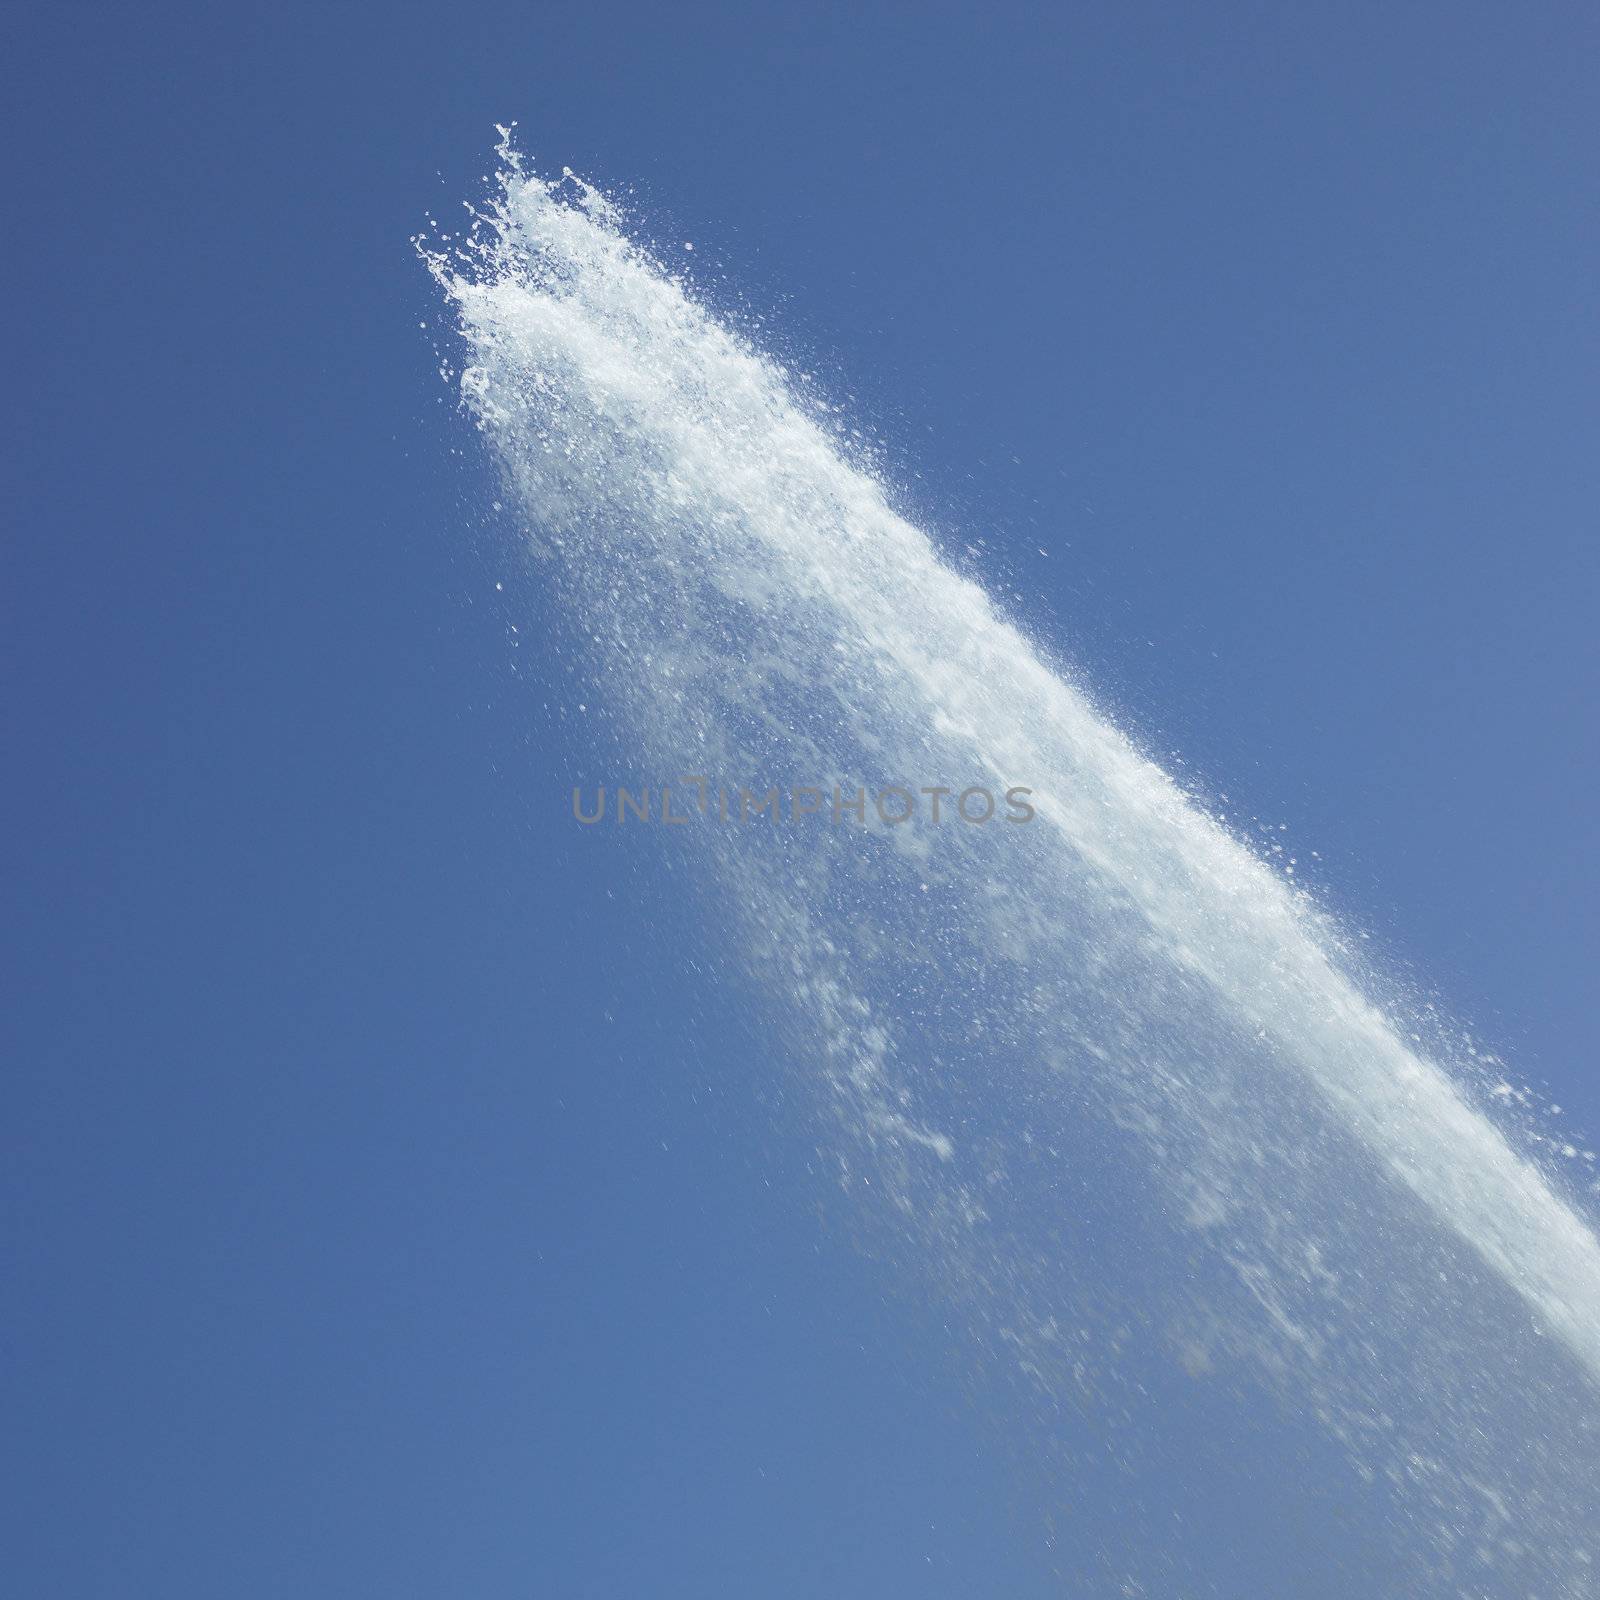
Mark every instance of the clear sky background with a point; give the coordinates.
(385, 1211)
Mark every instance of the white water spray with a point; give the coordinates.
(1123, 1090)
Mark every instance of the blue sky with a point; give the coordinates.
(385, 1211)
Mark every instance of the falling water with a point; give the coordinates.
(1127, 1103)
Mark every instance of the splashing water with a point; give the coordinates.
(1132, 1107)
